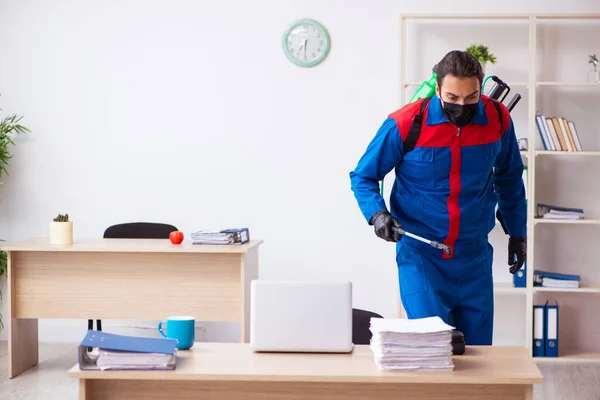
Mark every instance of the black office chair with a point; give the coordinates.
(361, 322)
(134, 230)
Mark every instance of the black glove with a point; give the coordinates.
(517, 248)
(386, 226)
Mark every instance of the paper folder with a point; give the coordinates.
(539, 328)
(551, 331)
(520, 277)
(126, 352)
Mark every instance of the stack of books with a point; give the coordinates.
(227, 236)
(105, 351)
(547, 211)
(556, 280)
(423, 344)
(558, 134)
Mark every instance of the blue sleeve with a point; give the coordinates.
(508, 184)
(382, 155)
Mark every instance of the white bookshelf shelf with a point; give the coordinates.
(547, 83)
(582, 290)
(567, 153)
(567, 221)
(507, 288)
(540, 25)
(511, 84)
(571, 357)
(504, 17)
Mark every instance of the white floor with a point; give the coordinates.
(49, 381)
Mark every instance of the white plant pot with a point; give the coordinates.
(483, 65)
(61, 232)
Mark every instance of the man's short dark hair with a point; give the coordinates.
(460, 64)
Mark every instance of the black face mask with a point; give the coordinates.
(460, 115)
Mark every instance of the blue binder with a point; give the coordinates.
(556, 275)
(122, 343)
(520, 277)
(539, 329)
(109, 341)
(551, 329)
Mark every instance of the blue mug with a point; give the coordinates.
(180, 328)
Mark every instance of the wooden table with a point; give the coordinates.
(232, 371)
(123, 279)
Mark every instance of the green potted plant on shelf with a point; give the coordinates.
(9, 127)
(61, 230)
(481, 53)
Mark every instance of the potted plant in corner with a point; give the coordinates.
(61, 230)
(481, 53)
(9, 127)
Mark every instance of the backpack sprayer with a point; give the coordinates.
(427, 89)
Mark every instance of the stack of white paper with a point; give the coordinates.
(560, 283)
(227, 236)
(212, 237)
(412, 344)
(113, 359)
(570, 215)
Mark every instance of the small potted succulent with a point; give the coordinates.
(481, 53)
(61, 230)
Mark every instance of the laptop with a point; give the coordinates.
(289, 316)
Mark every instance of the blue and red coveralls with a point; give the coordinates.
(446, 189)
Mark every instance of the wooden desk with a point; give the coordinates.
(232, 371)
(123, 279)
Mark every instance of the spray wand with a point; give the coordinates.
(432, 243)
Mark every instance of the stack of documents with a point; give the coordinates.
(555, 212)
(228, 236)
(423, 344)
(118, 352)
(556, 280)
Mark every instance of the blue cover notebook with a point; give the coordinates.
(139, 352)
(556, 275)
(109, 341)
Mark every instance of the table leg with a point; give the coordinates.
(528, 392)
(249, 273)
(22, 345)
(84, 393)
(22, 333)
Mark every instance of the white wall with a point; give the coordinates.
(188, 112)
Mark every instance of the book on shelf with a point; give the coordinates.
(558, 133)
(227, 236)
(556, 280)
(106, 351)
(547, 211)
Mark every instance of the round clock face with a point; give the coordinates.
(306, 43)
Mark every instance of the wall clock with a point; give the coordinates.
(306, 42)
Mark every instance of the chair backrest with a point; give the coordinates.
(361, 325)
(139, 230)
